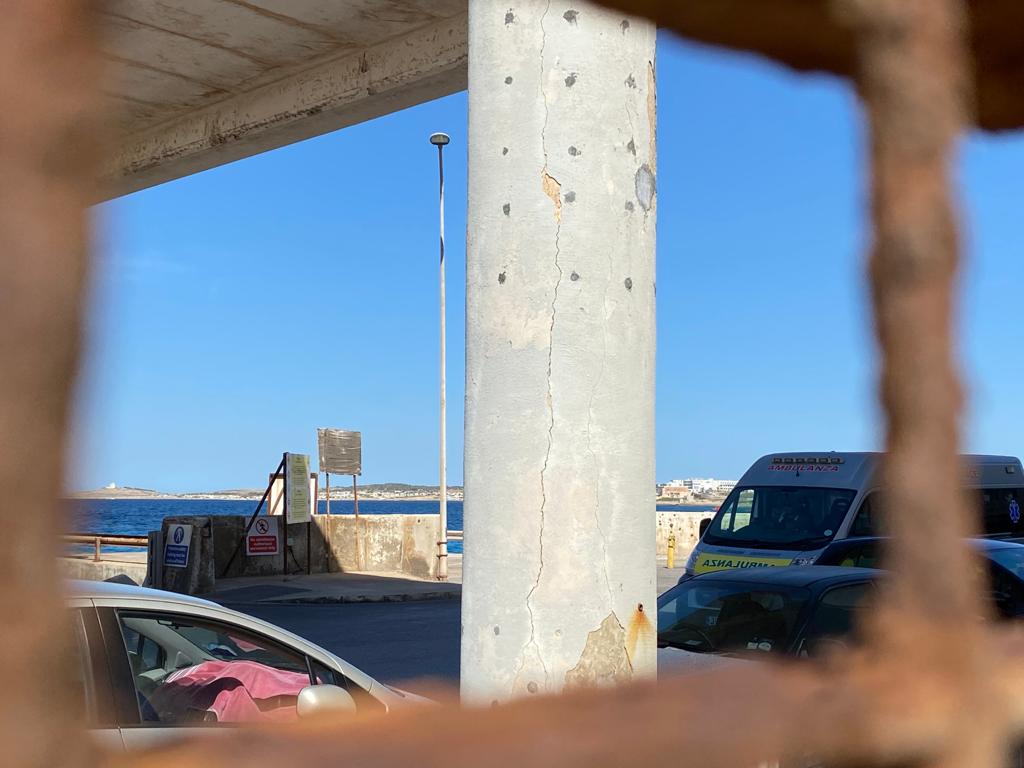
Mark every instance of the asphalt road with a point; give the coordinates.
(393, 642)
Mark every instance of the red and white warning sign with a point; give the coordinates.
(262, 538)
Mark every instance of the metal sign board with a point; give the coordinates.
(262, 538)
(296, 484)
(179, 541)
(341, 451)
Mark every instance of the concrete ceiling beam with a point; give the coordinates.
(344, 90)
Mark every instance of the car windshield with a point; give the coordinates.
(776, 517)
(729, 617)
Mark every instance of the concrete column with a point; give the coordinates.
(559, 570)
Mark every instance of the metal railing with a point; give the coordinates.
(100, 540)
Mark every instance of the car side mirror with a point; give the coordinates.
(704, 526)
(317, 700)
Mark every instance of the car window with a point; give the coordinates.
(727, 617)
(834, 618)
(859, 556)
(191, 671)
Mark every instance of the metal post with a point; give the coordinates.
(96, 554)
(440, 140)
(284, 516)
(355, 496)
(327, 477)
(252, 519)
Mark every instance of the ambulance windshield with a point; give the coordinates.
(774, 517)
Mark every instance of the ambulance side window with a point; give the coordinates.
(865, 524)
(1002, 511)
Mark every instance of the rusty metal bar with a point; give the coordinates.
(49, 129)
(110, 539)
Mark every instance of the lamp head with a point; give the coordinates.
(439, 139)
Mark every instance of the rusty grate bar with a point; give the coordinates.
(900, 700)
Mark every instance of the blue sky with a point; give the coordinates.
(234, 311)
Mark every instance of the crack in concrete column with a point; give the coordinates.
(552, 189)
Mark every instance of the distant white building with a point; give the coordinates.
(110, 487)
(708, 486)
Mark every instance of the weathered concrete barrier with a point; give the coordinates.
(101, 570)
(401, 544)
(686, 528)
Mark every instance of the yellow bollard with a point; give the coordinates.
(672, 551)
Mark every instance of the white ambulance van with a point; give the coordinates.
(788, 506)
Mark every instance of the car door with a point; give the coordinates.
(834, 619)
(89, 681)
(177, 674)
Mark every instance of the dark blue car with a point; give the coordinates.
(1003, 562)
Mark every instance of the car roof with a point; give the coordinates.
(109, 589)
(790, 576)
(982, 544)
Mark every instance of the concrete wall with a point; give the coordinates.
(397, 543)
(685, 526)
(90, 570)
(401, 544)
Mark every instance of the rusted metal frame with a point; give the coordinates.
(98, 540)
(49, 129)
(857, 712)
(913, 77)
(112, 539)
(901, 700)
(883, 705)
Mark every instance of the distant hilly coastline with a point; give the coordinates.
(379, 491)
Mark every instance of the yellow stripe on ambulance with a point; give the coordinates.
(715, 562)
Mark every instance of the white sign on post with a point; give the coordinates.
(179, 540)
(296, 500)
(262, 538)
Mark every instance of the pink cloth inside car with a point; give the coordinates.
(234, 691)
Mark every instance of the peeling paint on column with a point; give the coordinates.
(553, 190)
(571, 16)
(570, 197)
(645, 186)
(630, 82)
(510, 17)
(605, 660)
(570, 81)
(508, 80)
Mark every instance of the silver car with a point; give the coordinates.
(155, 666)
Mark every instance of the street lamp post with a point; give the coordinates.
(439, 140)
